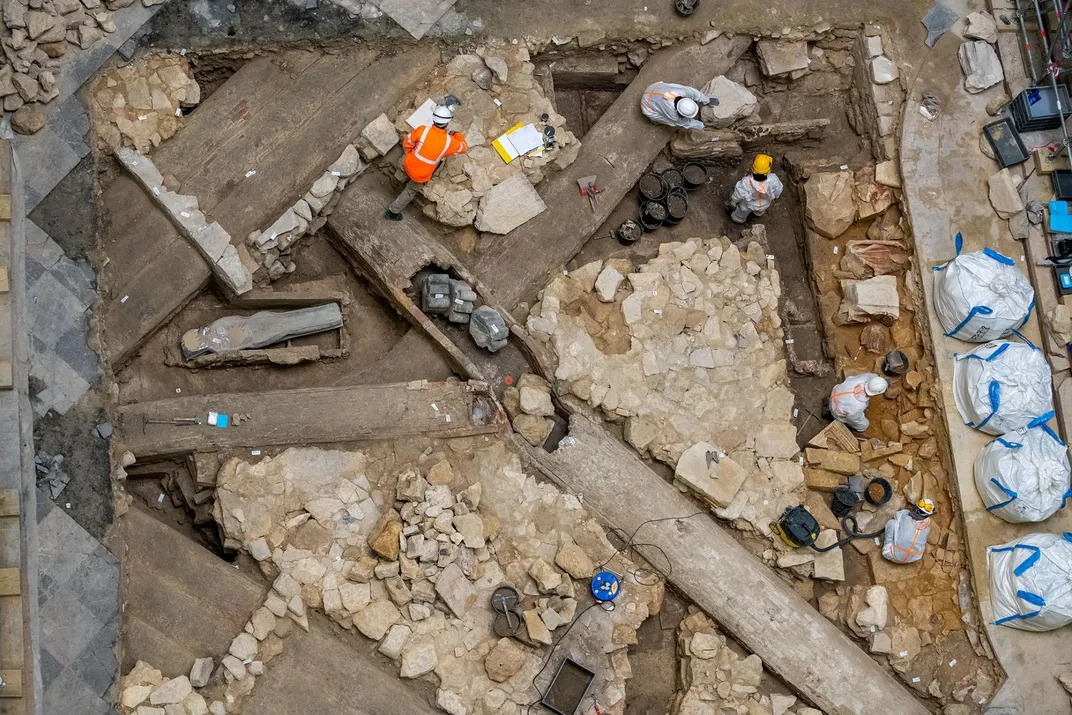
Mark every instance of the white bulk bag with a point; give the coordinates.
(1002, 386)
(981, 296)
(1031, 582)
(1024, 476)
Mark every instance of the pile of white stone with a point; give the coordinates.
(141, 103)
(704, 372)
(497, 89)
(411, 562)
(273, 247)
(715, 679)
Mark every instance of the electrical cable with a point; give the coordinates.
(629, 545)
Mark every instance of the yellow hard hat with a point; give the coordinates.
(925, 506)
(762, 164)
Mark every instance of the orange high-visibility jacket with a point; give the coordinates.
(427, 146)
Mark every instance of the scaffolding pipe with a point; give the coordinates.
(1027, 45)
(1053, 80)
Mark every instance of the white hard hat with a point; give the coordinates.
(442, 115)
(687, 107)
(876, 386)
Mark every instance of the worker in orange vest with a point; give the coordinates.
(425, 148)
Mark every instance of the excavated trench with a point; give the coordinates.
(583, 86)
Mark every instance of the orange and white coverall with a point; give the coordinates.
(849, 400)
(426, 147)
(754, 197)
(657, 104)
(905, 537)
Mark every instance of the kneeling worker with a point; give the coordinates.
(674, 105)
(753, 194)
(849, 399)
(426, 147)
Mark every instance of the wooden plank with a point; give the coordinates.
(264, 136)
(10, 581)
(4, 286)
(10, 505)
(313, 416)
(5, 207)
(5, 375)
(285, 174)
(253, 89)
(12, 687)
(517, 265)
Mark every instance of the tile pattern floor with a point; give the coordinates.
(59, 293)
(78, 601)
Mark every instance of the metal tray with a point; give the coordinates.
(567, 688)
(1006, 142)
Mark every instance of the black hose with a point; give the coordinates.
(852, 532)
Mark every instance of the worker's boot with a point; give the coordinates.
(392, 215)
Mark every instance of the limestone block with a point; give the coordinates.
(508, 205)
(874, 297)
(830, 208)
(381, 134)
(782, 57)
(1004, 196)
(981, 26)
(715, 477)
(375, 619)
(735, 102)
(883, 71)
(982, 68)
(455, 590)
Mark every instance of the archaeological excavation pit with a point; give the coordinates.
(307, 448)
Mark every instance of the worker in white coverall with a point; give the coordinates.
(674, 104)
(753, 194)
(848, 400)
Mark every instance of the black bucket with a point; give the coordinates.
(685, 7)
(629, 232)
(895, 364)
(694, 175)
(672, 179)
(677, 205)
(652, 215)
(651, 188)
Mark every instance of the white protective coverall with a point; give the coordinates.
(905, 537)
(848, 401)
(657, 104)
(753, 197)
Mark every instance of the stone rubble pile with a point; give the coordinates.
(272, 248)
(34, 35)
(497, 89)
(408, 555)
(231, 265)
(141, 104)
(687, 355)
(715, 679)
